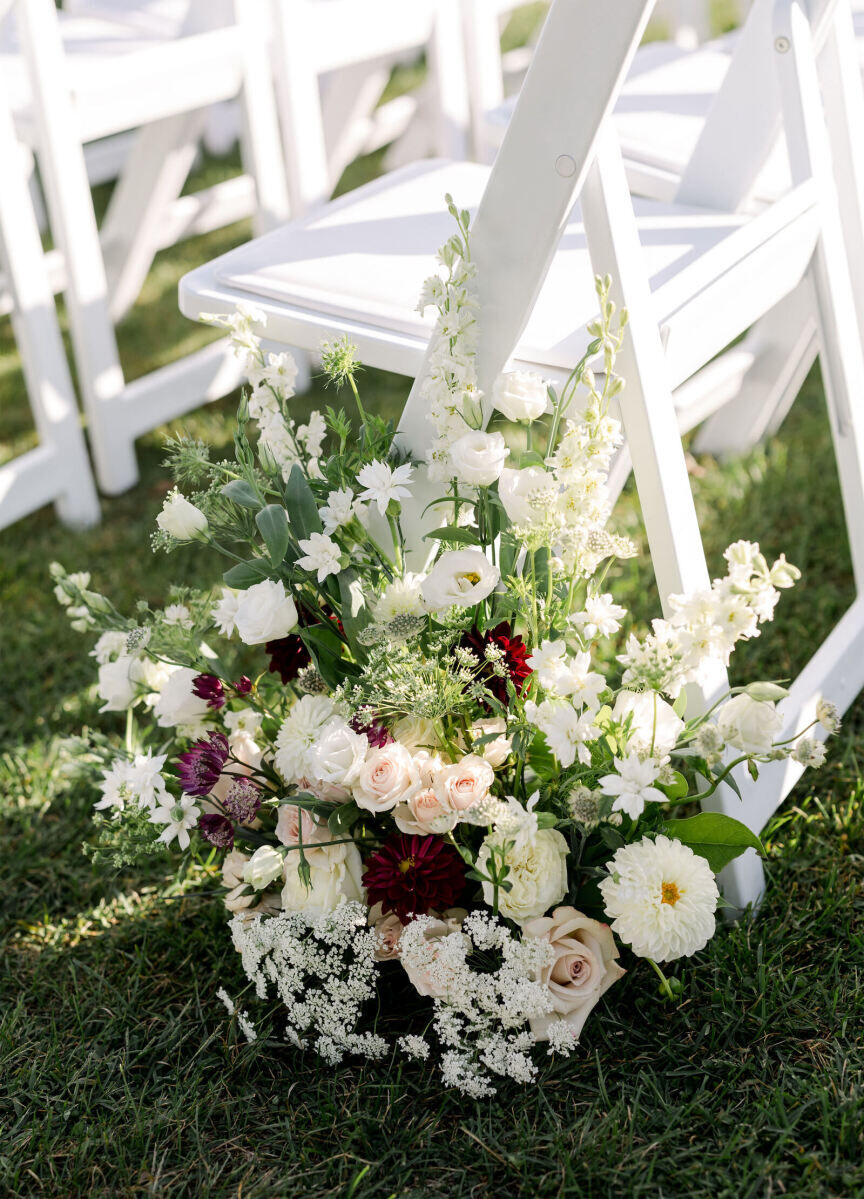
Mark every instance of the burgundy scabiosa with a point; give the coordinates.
(216, 829)
(201, 765)
(242, 800)
(512, 652)
(410, 875)
(207, 686)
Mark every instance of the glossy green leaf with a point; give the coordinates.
(715, 837)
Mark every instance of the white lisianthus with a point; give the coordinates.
(478, 458)
(178, 705)
(338, 754)
(633, 785)
(384, 484)
(526, 494)
(661, 898)
(654, 726)
(749, 724)
(225, 612)
(178, 816)
(538, 874)
(180, 519)
(520, 395)
(336, 879)
(299, 732)
(264, 867)
(119, 682)
(462, 577)
(264, 613)
(321, 554)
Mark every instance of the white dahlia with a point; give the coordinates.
(299, 732)
(661, 897)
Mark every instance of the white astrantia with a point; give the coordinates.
(461, 577)
(809, 752)
(321, 555)
(520, 395)
(264, 612)
(661, 898)
(178, 816)
(299, 732)
(478, 458)
(383, 484)
(180, 519)
(633, 785)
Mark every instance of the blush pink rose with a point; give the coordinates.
(389, 929)
(422, 814)
(465, 784)
(292, 820)
(387, 777)
(442, 925)
(584, 966)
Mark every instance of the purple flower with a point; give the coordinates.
(217, 830)
(201, 765)
(242, 801)
(376, 734)
(243, 685)
(207, 686)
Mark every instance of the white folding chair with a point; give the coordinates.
(58, 469)
(83, 82)
(692, 278)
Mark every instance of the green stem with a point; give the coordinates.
(664, 981)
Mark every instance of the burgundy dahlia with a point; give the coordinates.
(202, 764)
(514, 655)
(288, 656)
(411, 875)
(242, 800)
(217, 830)
(207, 686)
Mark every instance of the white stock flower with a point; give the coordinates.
(633, 785)
(339, 509)
(321, 555)
(384, 484)
(527, 494)
(109, 647)
(565, 730)
(278, 371)
(749, 724)
(462, 577)
(478, 458)
(520, 395)
(312, 434)
(264, 867)
(180, 519)
(299, 732)
(178, 816)
(654, 728)
(661, 897)
(338, 754)
(178, 705)
(336, 872)
(538, 874)
(600, 617)
(264, 613)
(177, 614)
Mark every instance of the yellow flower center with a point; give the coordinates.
(408, 864)
(669, 893)
(472, 577)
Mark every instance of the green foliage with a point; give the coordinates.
(129, 839)
(717, 838)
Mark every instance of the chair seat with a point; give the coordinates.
(357, 267)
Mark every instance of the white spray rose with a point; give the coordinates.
(338, 754)
(263, 868)
(180, 519)
(463, 577)
(177, 703)
(478, 458)
(520, 395)
(538, 873)
(526, 493)
(336, 879)
(654, 727)
(749, 724)
(264, 613)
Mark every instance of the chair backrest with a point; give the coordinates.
(571, 86)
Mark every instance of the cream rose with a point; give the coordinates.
(526, 493)
(264, 613)
(422, 978)
(463, 577)
(389, 929)
(654, 727)
(478, 458)
(465, 784)
(414, 732)
(387, 776)
(520, 395)
(336, 879)
(749, 724)
(538, 876)
(584, 966)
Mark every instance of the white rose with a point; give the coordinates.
(387, 776)
(336, 879)
(463, 577)
(478, 458)
(415, 732)
(180, 519)
(520, 395)
(264, 867)
(654, 728)
(118, 683)
(464, 784)
(494, 752)
(264, 613)
(749, 724)
(525, 493)
(177, 703)
(538, 874)
(338, 754)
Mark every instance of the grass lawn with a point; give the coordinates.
(119, 1075)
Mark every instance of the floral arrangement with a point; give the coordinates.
(429, 767)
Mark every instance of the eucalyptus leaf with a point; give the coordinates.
(242, 493)
(247, 574)
(272, 523)
(715, 837)
(300, 502)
